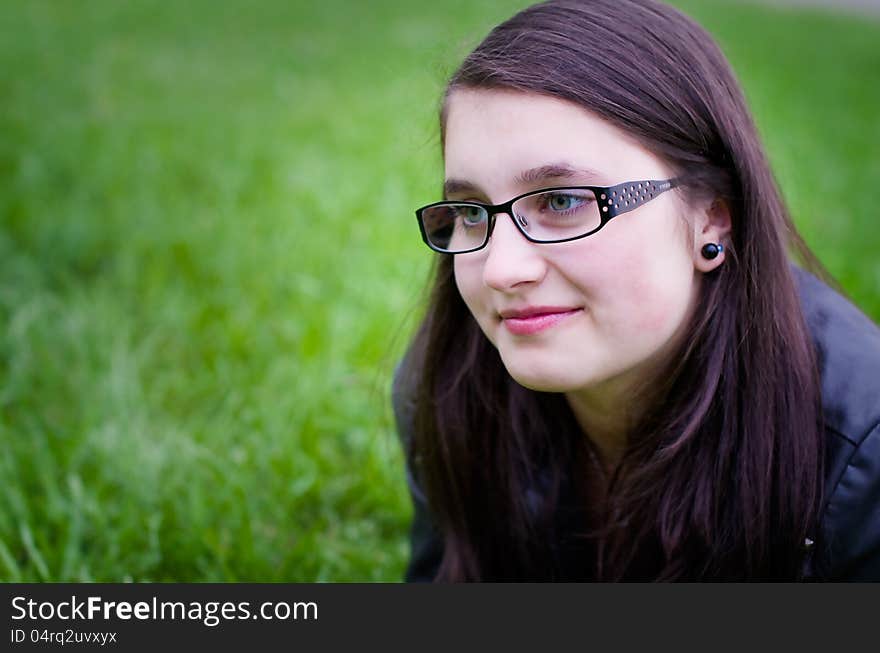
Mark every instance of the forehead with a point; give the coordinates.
(492, 136)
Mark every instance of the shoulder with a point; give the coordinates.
(848, 350)
(848, 347)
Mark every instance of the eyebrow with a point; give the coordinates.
(544, 173)
(557, 171)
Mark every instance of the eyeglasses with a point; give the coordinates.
(548, 215)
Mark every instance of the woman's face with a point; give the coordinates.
(585, 314)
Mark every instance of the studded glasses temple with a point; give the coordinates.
(629, 195)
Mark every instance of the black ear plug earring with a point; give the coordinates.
(711, 250)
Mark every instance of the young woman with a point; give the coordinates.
(620, 375)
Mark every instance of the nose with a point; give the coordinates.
(512, 259)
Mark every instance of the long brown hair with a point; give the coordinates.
(722, 479)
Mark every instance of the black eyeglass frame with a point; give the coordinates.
(613, 201)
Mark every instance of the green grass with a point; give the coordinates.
(209, 264)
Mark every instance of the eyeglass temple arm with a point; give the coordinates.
(626, 197)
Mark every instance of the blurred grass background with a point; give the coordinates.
(209, 264)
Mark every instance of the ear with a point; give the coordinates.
(712, 225)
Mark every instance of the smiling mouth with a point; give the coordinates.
(536, 322)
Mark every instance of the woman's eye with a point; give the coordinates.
(471, 215)
(565, 202)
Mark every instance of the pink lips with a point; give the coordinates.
(535, 319)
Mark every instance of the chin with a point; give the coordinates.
(543, 380)
(542, 385)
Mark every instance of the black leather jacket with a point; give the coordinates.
(848, 346)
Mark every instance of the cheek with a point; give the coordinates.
(469, 281)
(465, 278)
(639, 290)
(660, 317)
(657, 302)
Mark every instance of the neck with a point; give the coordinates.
(604, 421)
(607, 413)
